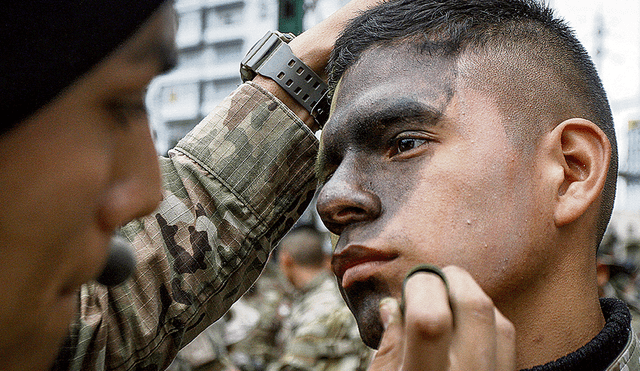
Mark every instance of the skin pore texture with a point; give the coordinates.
(417, 166)
(72, 173)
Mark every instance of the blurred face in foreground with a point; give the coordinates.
(416, 167)
(72, 173)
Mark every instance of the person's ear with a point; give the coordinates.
(286, 261)
(584, 153)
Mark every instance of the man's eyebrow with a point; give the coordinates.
(388, 113)
(163, 52)
(367, 123)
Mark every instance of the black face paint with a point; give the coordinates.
(120, 264)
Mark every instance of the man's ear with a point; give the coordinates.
(285, 259)
(584, 154)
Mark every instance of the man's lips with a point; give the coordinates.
(357, 263)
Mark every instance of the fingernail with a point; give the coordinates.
(388, 311)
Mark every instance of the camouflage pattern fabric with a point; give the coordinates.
(271, 298)
(207, 352)
(233, 186)
(321, 333)
(629, 359)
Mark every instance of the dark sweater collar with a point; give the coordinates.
(602, 350)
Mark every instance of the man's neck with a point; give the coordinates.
(563, 316)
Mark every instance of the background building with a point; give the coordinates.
(214, 35)
(212, 38)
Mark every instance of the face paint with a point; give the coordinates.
(416, 168)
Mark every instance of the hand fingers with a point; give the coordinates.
(390, 352)
(456, 328)
(505, 343)
(475, 323)
(481, 338)
(428, 323)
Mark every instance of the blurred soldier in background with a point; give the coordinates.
(617, 277)
(270, 300)
(207, 352)
(320, 333)
(244, 339)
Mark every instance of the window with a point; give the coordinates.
(189, 29)
(191, 58)
(225, 15)
(228, 51)
(215, 91)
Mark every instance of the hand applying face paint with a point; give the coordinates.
(444, 325)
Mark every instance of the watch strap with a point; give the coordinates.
(290, 73)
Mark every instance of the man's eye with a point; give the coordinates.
(407, 144)
(127, 113)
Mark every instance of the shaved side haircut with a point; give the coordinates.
(518, 51)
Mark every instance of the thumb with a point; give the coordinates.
(391, 350)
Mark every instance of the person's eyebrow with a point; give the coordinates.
(392, 113)
(163, 52)
(369, 124)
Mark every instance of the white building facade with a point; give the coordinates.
(212, 38)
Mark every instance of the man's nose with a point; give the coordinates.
(344, 201)
(136, 181)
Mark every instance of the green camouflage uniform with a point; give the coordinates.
(207, 352)
(271, 298)
(233, 186)
(321, 334)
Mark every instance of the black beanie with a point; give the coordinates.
(45, 45)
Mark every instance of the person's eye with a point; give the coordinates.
(127, 113)
(407, 142)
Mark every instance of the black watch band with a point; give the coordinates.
(273, 58)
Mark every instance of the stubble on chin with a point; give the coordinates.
(363, 299)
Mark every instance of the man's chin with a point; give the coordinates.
(363, 299)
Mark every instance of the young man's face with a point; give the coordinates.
(417, 168)
(69, 176)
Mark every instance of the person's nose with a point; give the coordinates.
(135, 190)
(343, 200)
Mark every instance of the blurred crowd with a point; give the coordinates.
(618, 260)
(293, 318)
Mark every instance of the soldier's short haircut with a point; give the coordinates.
(305, 246)
(516, 50)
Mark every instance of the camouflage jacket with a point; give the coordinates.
(321, 334)
(629, 358)
(233, 186)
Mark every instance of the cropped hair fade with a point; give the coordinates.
(527, 29)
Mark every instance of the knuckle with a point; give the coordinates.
(480, 306)
(453, 271)
(506, 329)
(430, 324)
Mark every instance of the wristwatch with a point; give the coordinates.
(273, 58)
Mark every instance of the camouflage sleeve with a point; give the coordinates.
(321, 333)
(328, 343)
(233, 186)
